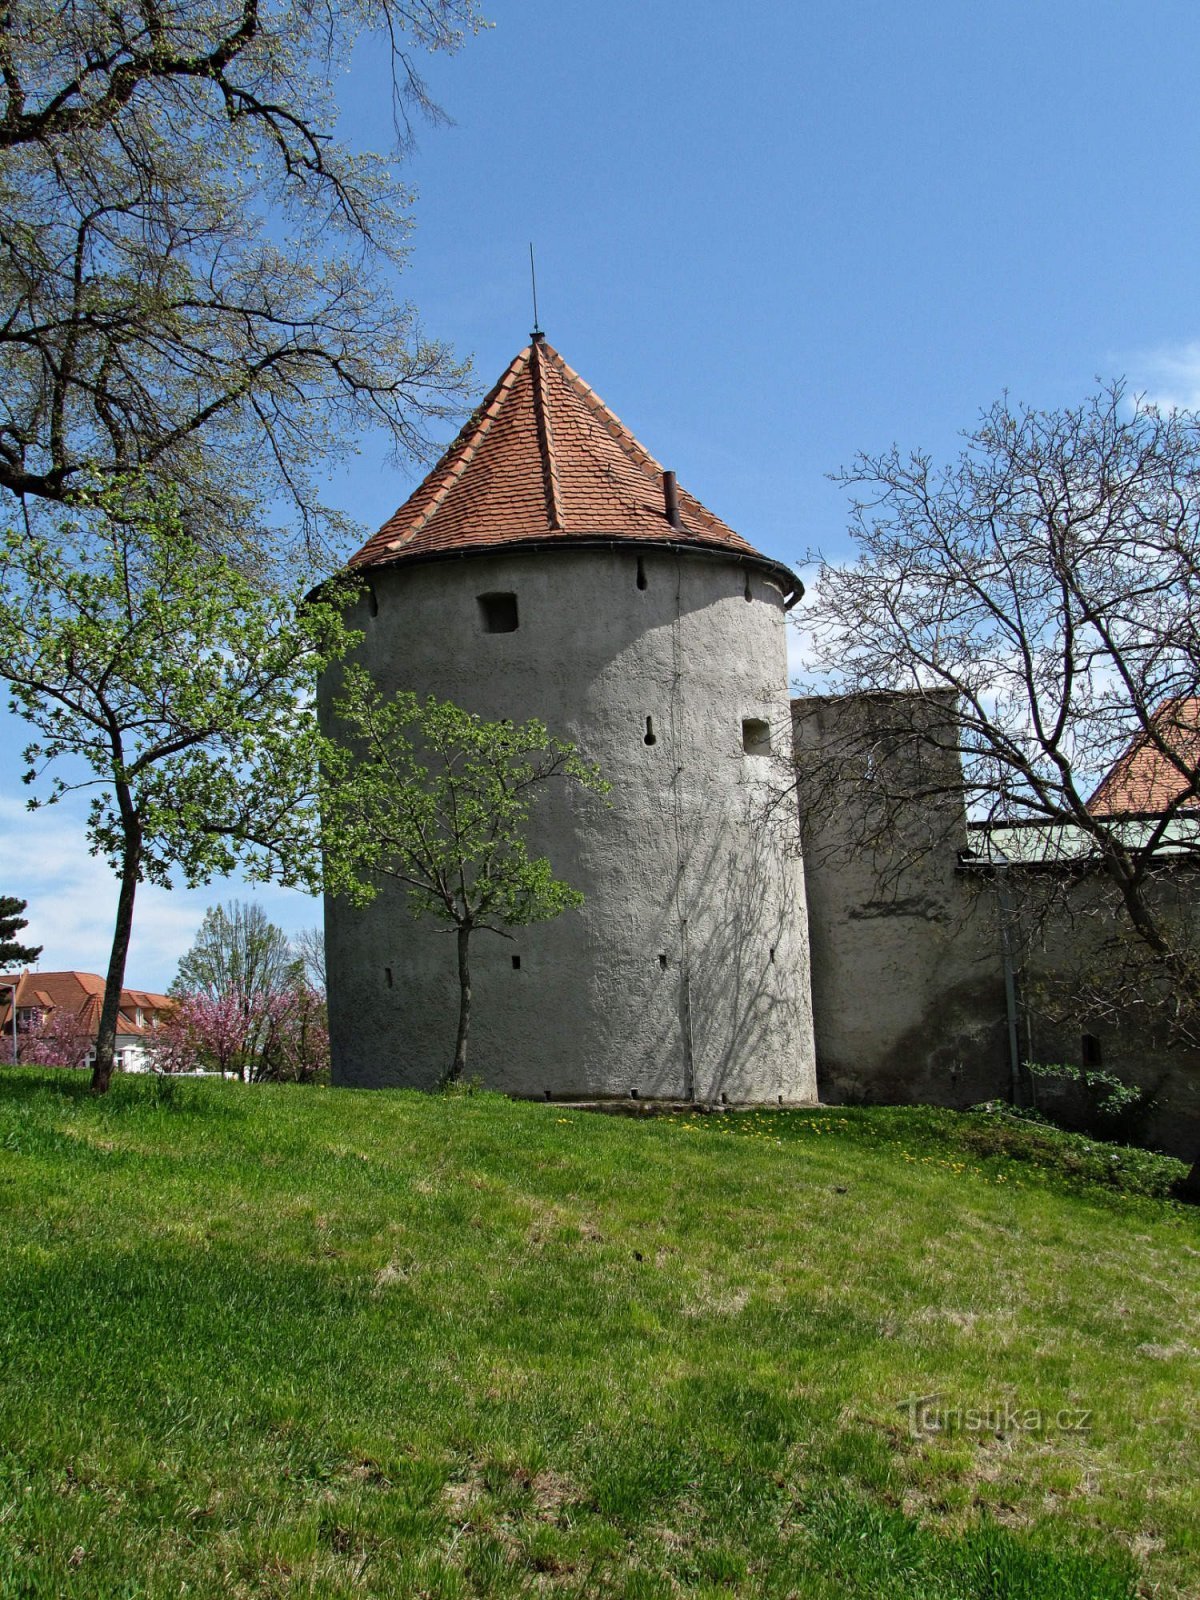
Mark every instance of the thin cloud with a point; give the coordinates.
(802, 654)
(72, 895)
(1170, 377)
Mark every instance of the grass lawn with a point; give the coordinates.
(296, 1341)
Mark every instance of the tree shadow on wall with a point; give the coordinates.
(733, 928)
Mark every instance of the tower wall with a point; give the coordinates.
(685, 973)
(907, 980)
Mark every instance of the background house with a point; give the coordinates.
(42, 996)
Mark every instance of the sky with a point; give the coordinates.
(769, 237)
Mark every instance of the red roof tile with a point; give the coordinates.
(79, 992)
(1145, 778)
(542, 459)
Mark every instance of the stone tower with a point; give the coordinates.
(549, 567)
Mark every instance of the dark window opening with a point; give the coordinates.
(756, 736)
(662, 959)
(641, 573)
(387, 976)
(1091, 1051)
(498, 612)
(516, 963)
(372, 600)
(650, 736)
(633, 1094)
(772, 954)
(746, 594)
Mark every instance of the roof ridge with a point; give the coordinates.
(541, 411)
(624, 436)
(613, 425)
(480, 425)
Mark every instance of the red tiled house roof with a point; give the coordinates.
(543, 461)
(81, 993)
(1144, 779)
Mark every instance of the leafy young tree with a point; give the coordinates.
(168, 683)
(1040, 597)
(238, 950)
(438, 799)
(12, 951)
(195, 270)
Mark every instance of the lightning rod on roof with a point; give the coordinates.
(537, 327)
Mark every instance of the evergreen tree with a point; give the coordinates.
(13, 954)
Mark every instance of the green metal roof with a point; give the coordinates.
(1028, 844)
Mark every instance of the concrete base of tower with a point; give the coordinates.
(619, 1107)
(588, 1007)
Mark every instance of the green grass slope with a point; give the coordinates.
(281, 1341)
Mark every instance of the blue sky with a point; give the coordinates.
(769, 237)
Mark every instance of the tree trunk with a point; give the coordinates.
(106, 1041)
(458, 1066)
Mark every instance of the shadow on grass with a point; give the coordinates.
(129, 1093)
(19, 1084)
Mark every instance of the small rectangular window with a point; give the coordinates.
(1090, 1049)
(756, 736)
(498, 613)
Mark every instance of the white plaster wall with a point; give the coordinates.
(678, 864)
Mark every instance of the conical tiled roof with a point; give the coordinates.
(1145, 779)
(542, 461)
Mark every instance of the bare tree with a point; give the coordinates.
(308, 949)
(237, 949)
(195, 272)
(1037, 601)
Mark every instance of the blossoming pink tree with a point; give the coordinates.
(296, 1036)
(201, 1031)
(56, 1040)
(280, 1035)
